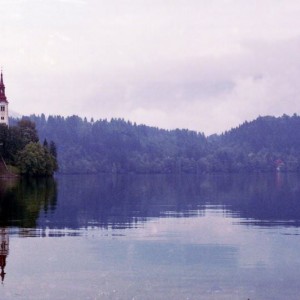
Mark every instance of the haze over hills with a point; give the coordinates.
(262, 145)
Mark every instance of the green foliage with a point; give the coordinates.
(262, 145)
(15, 138)
(35, 160)
(52, 149)
(118, 146)
(20, 148)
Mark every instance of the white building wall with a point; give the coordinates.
(4, 113)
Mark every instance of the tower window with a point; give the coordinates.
(2, 108)
(2, 118)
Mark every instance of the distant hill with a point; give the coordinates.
(120, 146)
(280, 134)
(262, 145)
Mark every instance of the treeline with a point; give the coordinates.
(20, 148)
(118, 146)
(265, 144)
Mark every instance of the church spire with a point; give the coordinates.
(2, 89)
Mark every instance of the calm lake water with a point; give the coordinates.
(151, 237)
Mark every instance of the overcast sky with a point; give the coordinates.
(205, 65)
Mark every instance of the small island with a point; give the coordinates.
(20, 150)
(23, 154)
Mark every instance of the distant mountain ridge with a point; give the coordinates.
(265, 144)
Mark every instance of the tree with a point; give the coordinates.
(45, 143)
(3, 138)
(52, 149)
(35, 160)
(53, 153)
(27, 130)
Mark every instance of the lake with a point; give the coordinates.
(151, 237)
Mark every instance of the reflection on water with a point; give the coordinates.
(22, 201)
(151, 237)
(4, 247)
(129, 201)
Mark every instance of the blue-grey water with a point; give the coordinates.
(151, 237)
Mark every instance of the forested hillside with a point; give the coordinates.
(120, 146)
(263, 145)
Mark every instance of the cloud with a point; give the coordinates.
(201, 65)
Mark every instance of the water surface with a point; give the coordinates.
(151, 237)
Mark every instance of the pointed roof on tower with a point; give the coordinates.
(2, 90)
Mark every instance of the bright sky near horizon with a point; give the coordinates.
(196, 64)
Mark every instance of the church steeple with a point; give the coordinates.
(3, 103)
(2, 89)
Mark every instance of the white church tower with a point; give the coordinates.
(3, 103)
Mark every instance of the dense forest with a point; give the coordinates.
(20, 148)
(119, 146)
(264, 144)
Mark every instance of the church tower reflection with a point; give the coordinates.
(4, 249)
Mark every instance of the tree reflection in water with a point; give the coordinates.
(127, 200)
(21, 202)
(36, 208)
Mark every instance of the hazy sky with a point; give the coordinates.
(205, 65)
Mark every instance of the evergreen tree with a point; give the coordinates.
(45, 143)
(52, 149)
